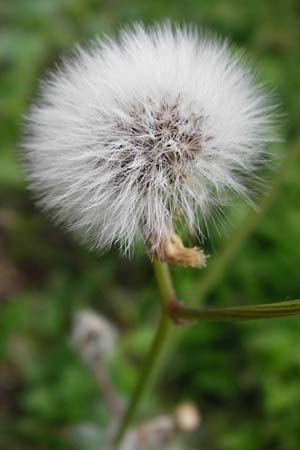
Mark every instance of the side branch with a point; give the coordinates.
(182, 314)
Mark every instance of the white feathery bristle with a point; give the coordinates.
(135, 134)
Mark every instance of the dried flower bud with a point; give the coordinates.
(187, 416)
(93, 335)
(171, 249)
(137, 134)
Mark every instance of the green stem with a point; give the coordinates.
(164, 282)
(178, 311)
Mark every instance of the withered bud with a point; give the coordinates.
(172, 250)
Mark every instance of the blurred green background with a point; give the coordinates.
(245, 378)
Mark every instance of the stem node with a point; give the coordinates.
(173, 308)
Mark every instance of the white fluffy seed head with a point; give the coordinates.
(92, 335)
(133, 135)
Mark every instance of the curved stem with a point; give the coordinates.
(164, 282)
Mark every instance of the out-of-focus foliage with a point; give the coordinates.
(246, 378)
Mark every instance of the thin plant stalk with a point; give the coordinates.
(151, 364)
(107, 389)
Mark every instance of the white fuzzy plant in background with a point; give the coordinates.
(95, 339)
(133, 135)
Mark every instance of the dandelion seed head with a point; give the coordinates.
(134, 134)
